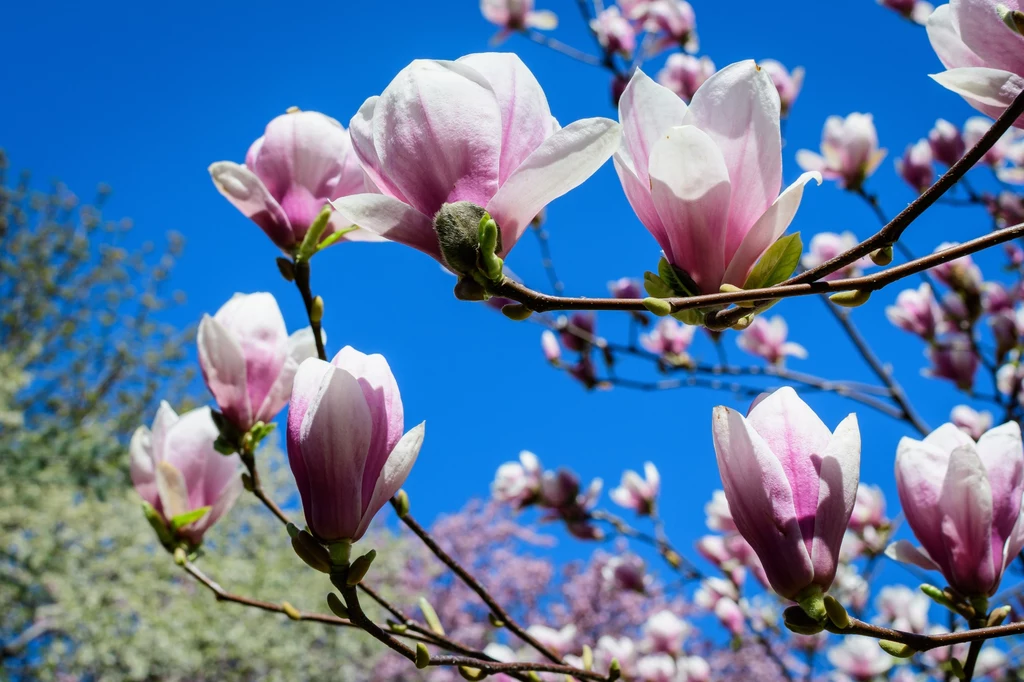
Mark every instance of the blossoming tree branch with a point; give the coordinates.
(458, 160)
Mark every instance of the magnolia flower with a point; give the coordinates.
(791, 486)
(303, 161)
(578, 331)
(766, 338)
(621, 649)
(1007, 209)
(718, 515)
(614, 32)
(669, 339)
(684, 73)
(915, 166)
(636, 493)
(664, 633)
(982, 54)
(186, 483)
(562, 497)
(625, 287)
(712, 590)
(561, 642)
(850, 587)
(656, 668)
(902, 608)
(971, 421)
(626, 573)
(860, 658)
(675, 22)
(1009, 378)
(868, 509)
(517, 15)
(730, 615)
(827, 245)
(917, 11)
(917, 312)
(849, 151)
(962, 500)
(518, 483)
(975, 128)
(961, 274)
(704, 179)
(345, 442)
(693, 669)
(946, 142)
(475, 130)
(549, 344)
(788, 83)
(248, 360)
(954, 359)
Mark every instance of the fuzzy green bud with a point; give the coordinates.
(1014, 19)
(316, 310)
(311, 552)
(659, 307)
(851, 299)
(291, 611)
(732, 288)
(812, 602)
(472, 674)
(360, 567)
(896, 649)
(336, 606)
(516, 311)
(799, 622)
(836, 613)
(614, 670)
(957, 668)
(422, 656)
(937, 596)
(286, 268)
(882, 256)
(998, 615)
(430, 616)
(401, 503)
(458, 233)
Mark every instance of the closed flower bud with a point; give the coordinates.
(636, 493)
(915, 167)
(345, 442)
(946, 142)
(791, 486)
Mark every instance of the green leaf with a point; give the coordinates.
(678, 280)
(182, 520)
(777, 263)
(693, 317)
(656, 287)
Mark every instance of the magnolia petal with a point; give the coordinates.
(544, 20)
(982, 29)
(394, 473)
(1002, 456)
(920, 472)
(811, 161)
(391, 219)
(990, 91)
(691, 191)
(224, 369)
(839, 469)
(907, 553)
(639, 197)
(646, 110)
(965, 507)
(560, 164)
(767, 230)
(224, 500)
(246, 192)
(170, 484)
(946, 41)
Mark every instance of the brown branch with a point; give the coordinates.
(301, 269)
(256, 486)
(929, 642)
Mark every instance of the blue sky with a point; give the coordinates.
(145, 96)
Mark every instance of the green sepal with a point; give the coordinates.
(812, 601)
(312, 239)
(896, 649)
(422, 656)
(357, 571)
(777, 264)
(336, 606)
(224, 446)
(692, 316)
(836, 612)
(163, 533)
(334, 237)
(656, 287)
(657, 306)
(430, 616)
(181, 520)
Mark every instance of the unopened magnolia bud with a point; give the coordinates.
(468, 289)
(812, 602)
(743, 323)
(286, 268)
(957, 669)
(659, 307)
(180, 557)
(401, 504)
(359, 568)
(896, 649)
(516, 311)
(398, 627)
(311, 552)
(291, 611)
(422, 656)
(836, 613)
(292, 529)
(614, 670)
(998, 615)
(851, 299)
(882, 256)
(472, 674)
(316, 310)
(430, 615)
(732, 288)
(588, 658)
(495, 621)
(1014, 19)
(937, 595)
(336, 606)
(458, 234)
(292, 110)
(799, 622)
(312, 239)
(247, 481)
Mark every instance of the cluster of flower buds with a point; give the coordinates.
(577, 333)
(558, 493)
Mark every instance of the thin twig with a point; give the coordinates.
(301, 269)
(567, 50)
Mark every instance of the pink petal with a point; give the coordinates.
(982, 29)
(393, 475)
(920, 471)
(246, 192)
(990, 91)
(646, 111)
(1003, 458)
(391, 219)
(905, 552)
(965, 507)
(560, 164)
(361, 131)
(639, 196)
(946, 41)
(691, 191)
(739, 108)
(839, 469)
(223, 365)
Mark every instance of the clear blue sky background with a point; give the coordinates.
(145, 96)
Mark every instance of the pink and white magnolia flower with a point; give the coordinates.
(947, 143)
(787, 82)
(915, 166)
(916, 311)
(664, 633)
(636, 493)
(954, 359)
(704, 179)
(621, 649)
(625, 287)
(517, 15)
(730, 615)
(849, 151)
(916, 11)
(868, 509)
(656, 668)
(626, 573)
(975, 128)
(518, 483)
(345, 442)
(176, 470)
(718, 515)
(983, 56)
(791, 485)
(860, 658)
(475, 130)
(972, 422)
(684, 73)
(614, 32)
(902, 608)
(962, 500)
(302, 162)
(248, 360)
(669, 339)
(766, 338)
(562, 641)
(825, 246)
(549, 345)
(674, 21)
(693, 669)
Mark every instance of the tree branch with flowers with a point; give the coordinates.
(458, 160)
